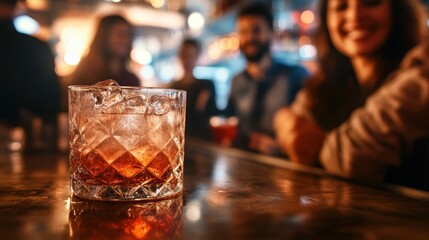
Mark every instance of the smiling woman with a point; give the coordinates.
(359, 28)
(364, 114)
(359, 44)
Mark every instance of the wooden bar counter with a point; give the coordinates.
(228, 194)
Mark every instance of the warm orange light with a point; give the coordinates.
(304, 40)
(224, 42)
(307, 17)
(157, 3)
(235, 43)
(138, 228)
(39, 5)
(214, 51)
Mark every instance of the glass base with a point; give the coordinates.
(142, 192)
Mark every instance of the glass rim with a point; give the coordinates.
(131, 88)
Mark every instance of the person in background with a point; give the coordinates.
(201, 94)
(365, 115)
(264, 86)
(109, 54)
(30, 86)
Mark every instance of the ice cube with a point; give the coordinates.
(106, 94)
(109, 82)
(136, 104)
(109, 98)
(159, 105)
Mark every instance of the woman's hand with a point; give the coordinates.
(263, 143)
(299, 138)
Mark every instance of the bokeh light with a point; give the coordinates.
(157, 3)
(141, 56)
(196, 21)
(72, 58)
(307, 52)
(307, 17)
(26, 24)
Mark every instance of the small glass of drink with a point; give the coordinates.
(126, 143)
(224, 129)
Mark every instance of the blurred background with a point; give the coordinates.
(68, 26)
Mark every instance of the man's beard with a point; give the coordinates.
(263, 48)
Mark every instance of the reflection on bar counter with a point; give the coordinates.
(12, 139)
(158, 220)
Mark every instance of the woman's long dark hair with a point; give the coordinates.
(96, 61)
(334, 88)
(99, 45)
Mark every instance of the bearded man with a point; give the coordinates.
(264, 86)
